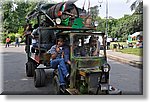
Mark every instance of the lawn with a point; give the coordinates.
(134, 51)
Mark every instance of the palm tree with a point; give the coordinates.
(134, 4)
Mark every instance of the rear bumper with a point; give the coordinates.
(111, 91)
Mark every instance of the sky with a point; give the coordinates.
(116, 8)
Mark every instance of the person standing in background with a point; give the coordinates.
(16, 42)
(108, 43)
(19, 40)
(7, 42)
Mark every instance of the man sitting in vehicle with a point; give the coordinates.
(34, 34)
(89, 46)
(47, 37)
(59, 58)
(94, 46)
(78, 50)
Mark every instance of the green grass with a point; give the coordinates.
(134, 51)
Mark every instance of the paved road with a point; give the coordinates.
(15, 80)
(124, 77)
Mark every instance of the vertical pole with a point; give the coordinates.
(106, 19)
(104, 43)
(106, 32)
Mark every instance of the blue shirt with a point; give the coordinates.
(64, 49)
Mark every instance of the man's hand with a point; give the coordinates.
(57, 49)
(53, 56)
(62, 55)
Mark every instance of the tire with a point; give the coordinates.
(56, 85)
(30, 67)
(39, 78)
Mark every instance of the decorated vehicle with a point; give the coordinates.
(89, 70)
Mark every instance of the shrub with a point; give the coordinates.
(12, 37)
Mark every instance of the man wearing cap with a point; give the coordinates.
(59, 58)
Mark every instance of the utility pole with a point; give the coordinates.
(106, 19)
(100, 2)
(106, 29)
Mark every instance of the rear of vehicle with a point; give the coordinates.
(89, 70)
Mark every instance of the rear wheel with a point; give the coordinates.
(39, 78)
(30, 67)
(56, 82)
(56, 85)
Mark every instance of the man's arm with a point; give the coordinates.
(53, 52)
(96, 52)
(34, 33)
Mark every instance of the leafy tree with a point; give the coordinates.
(135, 4)
(13, 19)
(94, 12)
(124, 26)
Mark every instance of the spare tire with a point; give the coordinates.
(53, 12)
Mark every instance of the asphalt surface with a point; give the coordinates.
(127, 78)
(130, 59)
(15, 79)
(122, 76)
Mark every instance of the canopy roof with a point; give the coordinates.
(136, 34)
